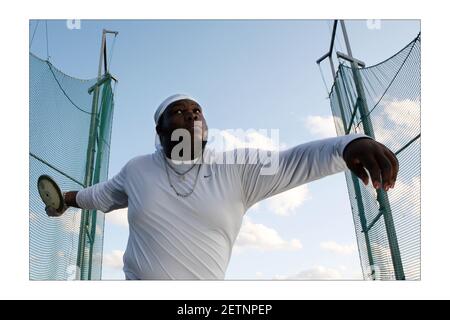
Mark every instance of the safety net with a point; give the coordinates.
(70, 124)
(383, 101)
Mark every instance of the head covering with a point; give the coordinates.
(163, 106)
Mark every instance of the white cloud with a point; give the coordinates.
(225, 140)
(249, 139)
(322, 127)
(341, 249)
(286, 203)
(260, 237)
(380, 250)
(118, 217)
(404, 113)
(283, 204)
(384, 271)
(70, 221)
(406, 196)
(315, 273)
(114, 259)
(98, 229)
(400, 122)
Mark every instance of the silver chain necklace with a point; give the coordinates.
(180, 174)
(184, 195)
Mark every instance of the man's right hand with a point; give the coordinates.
(69, 201)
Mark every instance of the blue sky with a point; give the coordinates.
(246, 74)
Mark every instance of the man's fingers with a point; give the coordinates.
(52, 212)
(386, 170)
(374, 171)
(380, 162)
(360, 172)
(395, 164)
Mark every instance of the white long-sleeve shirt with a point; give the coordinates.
(173, 237)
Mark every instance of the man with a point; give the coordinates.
(185, 207)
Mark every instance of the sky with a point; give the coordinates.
(246, 74)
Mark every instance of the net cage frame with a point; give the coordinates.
(70, 136)
(383, 101)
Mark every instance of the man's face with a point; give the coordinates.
(183, 114)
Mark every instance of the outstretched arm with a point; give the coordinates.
(317, 159)
(104, 196)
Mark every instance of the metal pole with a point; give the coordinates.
(381, 194)
(358, 195)
(360, 204)
(103, 110)
(102, 52)
(357, 186)
(361, 210)
(85, 214)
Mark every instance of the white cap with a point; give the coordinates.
(163, 106)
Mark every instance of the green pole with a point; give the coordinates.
(85, 214)
(381, 194)
(104, 111)
(356, 185)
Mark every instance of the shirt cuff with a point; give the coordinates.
(345, 140)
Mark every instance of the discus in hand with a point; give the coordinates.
(51, 195)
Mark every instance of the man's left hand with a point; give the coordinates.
(382, 164)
